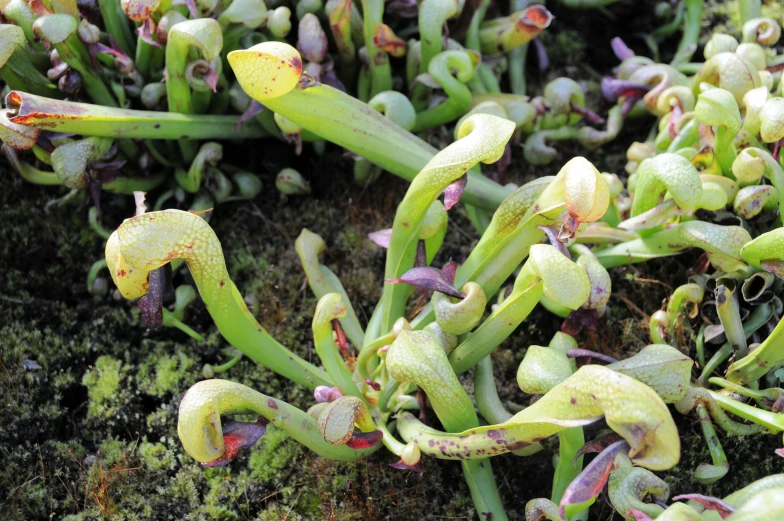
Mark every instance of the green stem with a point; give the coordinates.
(72, 51)
(330, 307)
(378, 60)
(749, 10)
(691, 30)
(169, 320)
(757, 363)
(486, 393)
(323, 281)
(336, 116)
(570, 441)
(93, 120)
(151, 240)
(760, 418)
(710, 473)
(117, 24)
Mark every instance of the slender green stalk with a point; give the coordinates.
(718, 468)
(759, 417)
(342, 119)
(117, 24)
(451, 69)
(93, 120)
(151, 240)
(169, 320)
(378, 60)
(323, 281)
(562, 281)
(749, 10)
(692, 24)
(205, 35)
(486, 394)
(330, 307)
(483, 138)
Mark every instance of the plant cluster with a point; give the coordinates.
(710, 177)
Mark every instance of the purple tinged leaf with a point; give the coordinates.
(590, 482)
(449, 271)
(779, 452)
(421, 254)
(145, 33)
(778, 405)
(613, 89)
(381, 237)
(541, 55)
(211, 79)
(553, 236)
(636, 515)
(151, 304)
(587, 353)
(429, 278)
(621, 50)
(194, 12)
(330, 78)
(324, 394)
(774, 266)
(254, 109)
(588, 114)
(596, 446)
(453, 192)
(236, 436)
(413, 468)
(709, 502)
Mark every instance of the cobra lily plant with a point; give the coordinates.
(414, 365)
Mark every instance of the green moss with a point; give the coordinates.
(103, 386)
(156, 456)
(161, 373)
(274, 457)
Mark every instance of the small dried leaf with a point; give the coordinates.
(580, 319)
(386, 40)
